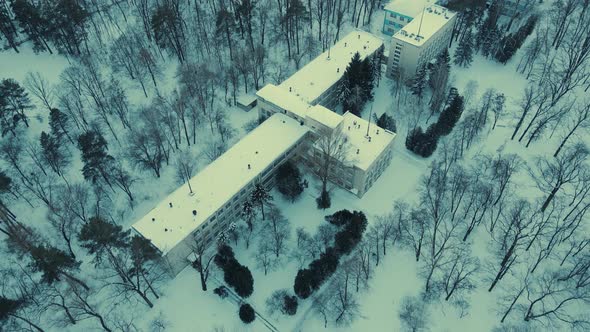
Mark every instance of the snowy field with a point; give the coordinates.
(183, 306)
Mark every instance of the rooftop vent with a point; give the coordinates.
(170, 204)
(165, 229)
(290, 89)
(359, 36)
(153, 219)
(249, 166)
(194, 212)
(337, 70)
(369, 139)
(377, 131)
(358, 150)
(344, 44)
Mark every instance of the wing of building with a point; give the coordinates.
(420, 41)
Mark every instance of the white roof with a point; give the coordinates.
(409, 8)
(219, 182)
(246, 99)
(355, 130)
(283, 99)
(434, 18)
(324, 116)
(322, 72)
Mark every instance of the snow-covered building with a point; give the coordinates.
(398, 13)
(420, 41)
(318, 81)
(309, 93)
(220, 190)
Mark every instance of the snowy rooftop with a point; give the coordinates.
(424, 26)
(283, 99)
(355, 130)
(246, 99)
(322, 72)
(324, 116)
(409, 8)
(217, 183)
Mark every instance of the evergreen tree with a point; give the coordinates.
(247, 314)
(97, 161)
(449, 116)
(54, 264)
(14, 101)
(60, 125)
(100, 237)
(67, 19)
(261, 197)
(8, 29)
(54, 154)
(5, 183)
(438, 80)
(167, 25)
(235, 275)
(8, 307)
(464, 52)
(422, 143)
(386, 121)
(248, 214)
(418, 82)
(32, 22)
(289, 181)
(357, 84)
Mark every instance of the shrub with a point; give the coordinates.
(247, 314)
(220, 291)
(235, 274)
(324, 200)
(290, 305)
(289, 181)
(386, 121)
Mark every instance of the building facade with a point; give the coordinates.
(420, 41)
(398, 13)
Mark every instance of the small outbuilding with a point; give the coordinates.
(246, 102)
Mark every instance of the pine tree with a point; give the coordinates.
(248, 214)
(100, 237)
(418, 82)
(449, 117)
(54, 154)
(14, 101)
(357, 84)
(32, 22)
(54, 264)
(386, 121)
(97, 161)
(67, 20)
(60, 125)
(8, 28)
(261, 197)
(464, 52)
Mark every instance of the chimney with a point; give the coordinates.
(377, 131)
(170, 204)
(290, 89)
(248, 166)
(358, 150)
(337, 70)
(194, 212)
(369, 139)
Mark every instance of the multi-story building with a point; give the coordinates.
(398, 13)
(306, 97)
(420, 41)
(220, 190)
(297, 117)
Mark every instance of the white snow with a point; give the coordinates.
(366, 138)
(425, 25)
(283, 99)
(311, 81)
(409, 8)
(325, 116)
(167, 226)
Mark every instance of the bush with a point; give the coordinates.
(387, 122)
(289, 181)
(247, 314)
(324, 201)
(290, 305)
(352, 233)
(220, 291)
(235, 275)
(309, 280)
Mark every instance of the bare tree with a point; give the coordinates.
(330, 153)
(145, 150)
(203, 261)
(460, 273)
(277, 231)
(580, 120)
(265, 257)
(82, 308)
(413, 314)
(566, 169)
(185, 168)
(40, 88)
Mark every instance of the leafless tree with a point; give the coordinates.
(580, 121)
(459, 275)
(413, 314)
(277, 231)
(82, 307)
(203, 261)
(343, 306)
(414, 230)
(265, 257)
(40, 88)
(330, 152)
(565, 170)
(145, 150)
(185, 168)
